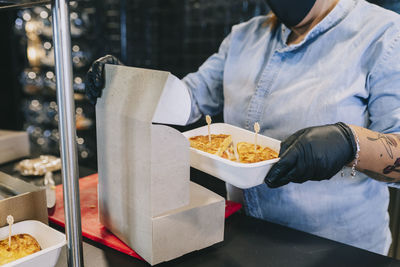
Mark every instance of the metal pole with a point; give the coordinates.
(66, 126)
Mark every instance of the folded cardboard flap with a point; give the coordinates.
(158, 96)
(27, 203)
(174, 106)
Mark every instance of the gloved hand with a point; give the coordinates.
(315, 153)
(95, 77)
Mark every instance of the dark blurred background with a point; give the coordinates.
(171, 35)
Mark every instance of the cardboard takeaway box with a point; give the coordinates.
(13, 145)
(21, 200)
(145, 194)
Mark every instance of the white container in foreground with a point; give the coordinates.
(50, 240)
(241, 175)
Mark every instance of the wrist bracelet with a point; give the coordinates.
(353, 167)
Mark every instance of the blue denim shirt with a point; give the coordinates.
(346, 69)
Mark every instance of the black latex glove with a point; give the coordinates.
(95, 77)
(315, 153)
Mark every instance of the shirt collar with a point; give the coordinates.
(338, 13)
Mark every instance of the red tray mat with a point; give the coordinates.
(91, 226)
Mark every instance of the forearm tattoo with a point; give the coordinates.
(388, 142)
(392, 168)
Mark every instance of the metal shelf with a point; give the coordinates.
(66, 124)
(8, 4)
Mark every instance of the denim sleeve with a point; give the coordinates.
(205, 85)
(384, 86)
(384, 89)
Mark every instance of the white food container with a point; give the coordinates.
(50, 240)
(241, 175)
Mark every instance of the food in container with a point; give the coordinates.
(21, 245)
(220, 145)
(248, 154)
(241, 175)
(50, 241)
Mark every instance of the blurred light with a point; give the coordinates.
(19, 22)
(30, 27)
(50, 75)
(47, 45)
(76, 60)
(53, 104)
(78, 80)
(75, 48)
(44, 14)
(78, 22)
(40, 141)
(26, 16)
(31, 75)
(84, 154)
(32, 54)
(35, 103)
(47, 133)
(56, 134)
(79, 111)
(74, 15)
(37, 131)
(30, 129)
(73, 5)
(80, 141)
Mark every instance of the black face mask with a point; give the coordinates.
(291, 12)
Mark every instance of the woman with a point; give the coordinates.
(327, 71)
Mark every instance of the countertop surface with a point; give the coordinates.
(247, 242)
(252, 242)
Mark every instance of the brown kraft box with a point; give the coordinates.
(22, 200)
